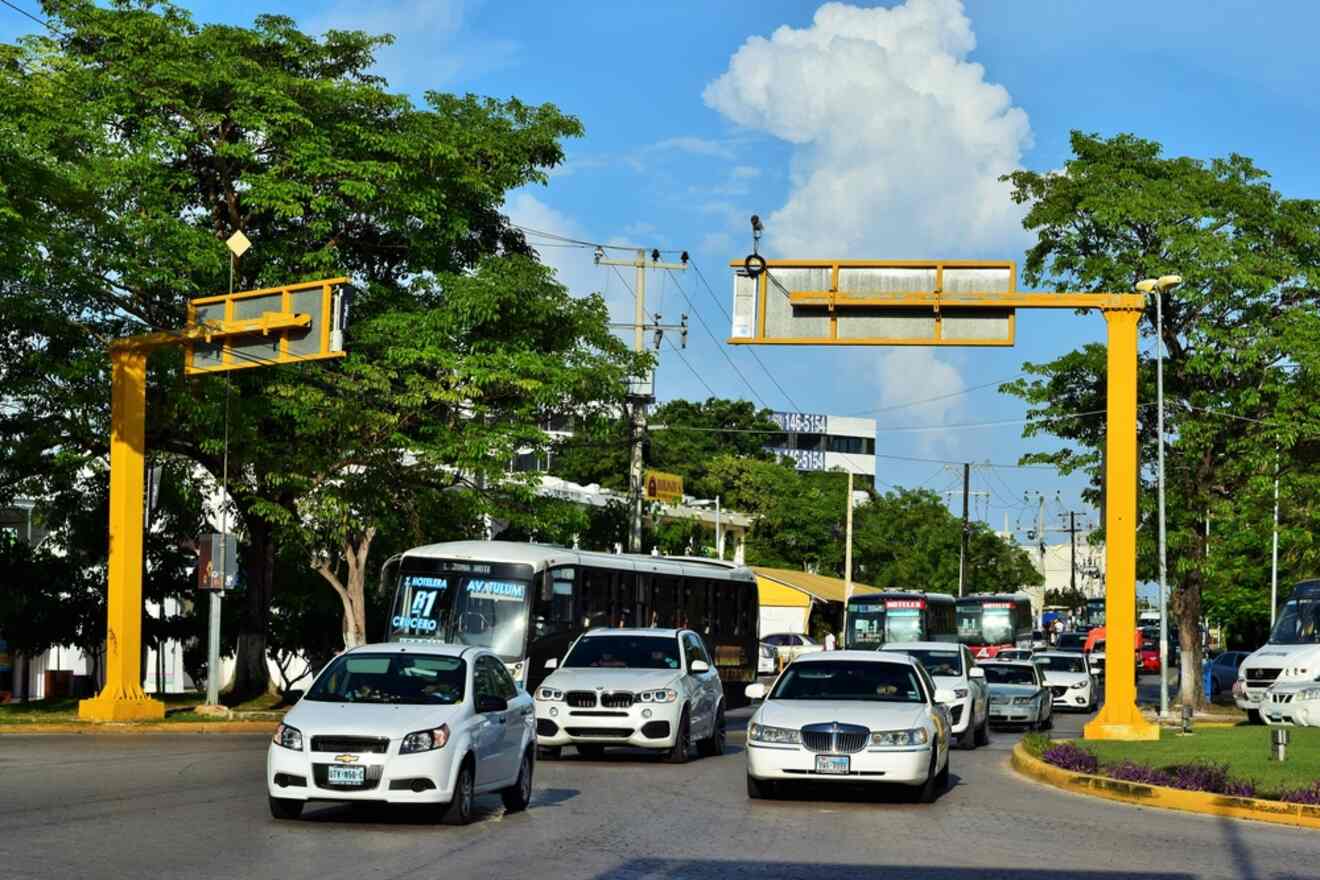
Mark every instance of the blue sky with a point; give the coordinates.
(856, 134)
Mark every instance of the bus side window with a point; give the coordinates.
(666, 599)
(642, 599)
(554, 602)
(621, 609)
(596, 587)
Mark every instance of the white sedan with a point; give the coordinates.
(850, 716)
(952, 667)
(1068, 677)
(410, 724)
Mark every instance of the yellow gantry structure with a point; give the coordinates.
(1119, 718)
(122, 698)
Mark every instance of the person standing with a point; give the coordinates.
(829, 641)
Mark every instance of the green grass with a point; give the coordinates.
(1245, 749)
(65, 709)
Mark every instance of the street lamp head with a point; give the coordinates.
(1167, 282)
(1147, 285)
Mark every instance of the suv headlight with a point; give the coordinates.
(767, 734)
(1308, 694)
(1078, 685)
(425, 740)
(663, 695)
(549, 695)
(917, 736)
(288, 737)
(961, 693)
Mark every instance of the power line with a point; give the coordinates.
(41, 21)
(908, 403)
(688, 364)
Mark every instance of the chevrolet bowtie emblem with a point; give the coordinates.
(346, 759)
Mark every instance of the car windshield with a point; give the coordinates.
(863, 680)
(1061, 664)
(492, 613)
(866, 622)
(1299, 623)
(409, 679)
(1006, 674)
(938, 662)
(624, 652)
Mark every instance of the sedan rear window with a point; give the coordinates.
(863, 680)
(1005, 674)
(408, 679)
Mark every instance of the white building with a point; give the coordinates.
(817, 442)
(1054, 562)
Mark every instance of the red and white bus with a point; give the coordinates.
(899, 616)
(989, 622)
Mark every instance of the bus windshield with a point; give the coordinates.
(464, 603)
(985, 626)
(1299, 623)
(866, 622)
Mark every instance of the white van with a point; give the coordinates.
(1291, 656)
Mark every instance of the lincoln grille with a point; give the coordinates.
(835, 739)
(620, 700)
(353, 744)
(580, 699)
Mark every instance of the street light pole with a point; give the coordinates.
(1159, 286)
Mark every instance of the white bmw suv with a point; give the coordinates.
(646, 688)
(952, 667)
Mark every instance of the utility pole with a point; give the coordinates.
(847, 554)
(642, 391)
(962, 555)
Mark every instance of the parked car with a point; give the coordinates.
(648, 688)
(432, 724)
(1018, 695)
(767, 661)
(1069, 679)
(1224, 671)
(1289, 703)
(855, 717)
(790, 646)
(953, 668)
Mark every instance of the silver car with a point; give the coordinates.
(1018, 695)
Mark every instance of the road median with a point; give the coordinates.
(38, 728)
(1141, 794)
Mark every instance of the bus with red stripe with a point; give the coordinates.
(899, 616)
(991, 622)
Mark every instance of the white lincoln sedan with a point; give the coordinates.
(410, 724)
(850, 716)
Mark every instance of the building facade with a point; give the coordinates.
(818, 442)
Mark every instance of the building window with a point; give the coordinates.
(811, 442)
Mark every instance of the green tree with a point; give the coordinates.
(136, 141)
(1243, 318)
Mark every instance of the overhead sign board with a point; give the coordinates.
(276, 325)
(663, 487)
(874, 302)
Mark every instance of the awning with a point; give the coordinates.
(784, 586)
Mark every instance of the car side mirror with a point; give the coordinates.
(698, 666)
(976, 672)
(944, 696)
(754, 691)
(491, 704)
(552, 663)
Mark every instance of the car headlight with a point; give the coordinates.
(767, 652)
(425, 740)
(663, 695)
(1308, 694)
(1078, 685)
(1023, 701)
(767, 734)
(915, 737)
(289, 737)
(549, 695)
(960, 693)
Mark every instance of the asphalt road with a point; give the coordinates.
(194, 806)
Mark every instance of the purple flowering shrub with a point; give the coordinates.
(1129, 771)
(1309, 795)
(1071, 757)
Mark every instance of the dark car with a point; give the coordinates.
(1224, 671)
(1071, 642)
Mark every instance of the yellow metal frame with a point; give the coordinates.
(229, 360)
(122, 698)
(1119, 718)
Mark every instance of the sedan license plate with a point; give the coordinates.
(345, 775)
(833, 764)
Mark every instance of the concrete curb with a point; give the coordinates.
(1276, 812)
(92, 728)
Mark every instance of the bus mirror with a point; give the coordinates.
(552, 663)
(754, 691)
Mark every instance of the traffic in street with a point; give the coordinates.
(194, 806)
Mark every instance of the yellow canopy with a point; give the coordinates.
(786, 587)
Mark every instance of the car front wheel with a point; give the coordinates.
(517, 796)
(714, 744)
(682, 741)
(460, 808)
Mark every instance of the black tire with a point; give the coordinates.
(759, 789)
(591, 752)
(967, 739)
(517, 796)
(285, 808)
(1253, 717)
(549, 753)
(459, 811)
(928, 790)
(983, 732)
(713, 745)
(1048, 723)
(942, 778)
(678, 753)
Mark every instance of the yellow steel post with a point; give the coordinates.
(1119, 718)
(122, 698)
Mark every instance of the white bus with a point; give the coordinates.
(527, 602)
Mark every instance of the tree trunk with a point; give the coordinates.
(1187, 610)
(352, 594)
(251, 671)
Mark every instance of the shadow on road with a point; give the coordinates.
(844, 793)
(636, 869)
(485, 807)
